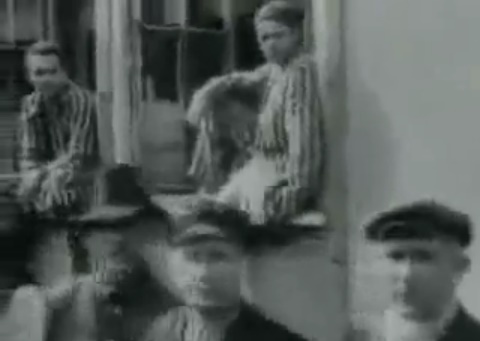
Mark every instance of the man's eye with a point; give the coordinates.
(422, 256)
(397, 256)
(218, 256)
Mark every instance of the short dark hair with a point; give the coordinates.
(281, 11)
(233, 222)
(45, 48)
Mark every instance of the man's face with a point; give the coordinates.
(112, 259)
(45, 73)
(423, 275)
(207, 273)
(277, 42)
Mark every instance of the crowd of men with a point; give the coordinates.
(117, 294)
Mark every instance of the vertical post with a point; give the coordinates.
(103, 72)
(51, 20)
(124, 110)
(11, 20)
(229, 20)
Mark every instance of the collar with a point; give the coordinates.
(38, 100)
(399, 328)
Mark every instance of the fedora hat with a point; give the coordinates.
(121, 201)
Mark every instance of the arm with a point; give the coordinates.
(30, 153)
(83, 150)
(217, 87)
(305, 132)
(79, 161)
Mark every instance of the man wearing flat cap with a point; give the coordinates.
(424, 244)
(207, 248)
(119, 298)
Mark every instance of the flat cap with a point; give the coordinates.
(284, 12)
(209, 220)
(425, 219)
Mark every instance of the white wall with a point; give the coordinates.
(413, 82)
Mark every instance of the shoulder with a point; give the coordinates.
(468, 324)
(80, 96)
(265, 327)
(304, 62)
(365, 327)
(169, 325)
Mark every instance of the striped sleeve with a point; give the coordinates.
(83, 146)
(305, 134)
(219, 86)
(29, 149)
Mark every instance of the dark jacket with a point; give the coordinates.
(464, 327)
(249, 325)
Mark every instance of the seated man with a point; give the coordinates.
(280, 171)
(57, 138)
(205, 254)
(120, 297)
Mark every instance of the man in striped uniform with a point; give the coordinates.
(57, 140)
(283, 175)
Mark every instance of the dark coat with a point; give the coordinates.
(464, 327)
(249, 325)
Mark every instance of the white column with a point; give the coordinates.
(125, 108)
(104, 82)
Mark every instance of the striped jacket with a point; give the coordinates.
(289, 131)
(58, 138)
(184, 324)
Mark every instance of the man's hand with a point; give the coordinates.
(30, 183)
(204, 99)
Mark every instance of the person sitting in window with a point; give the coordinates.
(283, 174)
(57, 137)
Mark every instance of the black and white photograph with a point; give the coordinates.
(165, 171)
(226, 170)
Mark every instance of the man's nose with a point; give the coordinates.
(201, 272)
(404, 269)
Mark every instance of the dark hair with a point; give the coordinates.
(45, 48)
(285, 12)
(233, 222)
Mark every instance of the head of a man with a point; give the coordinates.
(423, 245)
(206, 254)
(116, 245)
(43, 61)
(279, 27)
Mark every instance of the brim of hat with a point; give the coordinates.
(107, 214)
(200, 233)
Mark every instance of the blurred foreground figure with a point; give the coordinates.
(424, 245)
(57, 139)
(120, 298)
(261, 133)
(207, 249)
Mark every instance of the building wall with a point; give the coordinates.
(413, 79)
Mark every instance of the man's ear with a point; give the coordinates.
(465, 263)
(462, 264)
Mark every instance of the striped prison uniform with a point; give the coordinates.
(286, 166)
(58, 137)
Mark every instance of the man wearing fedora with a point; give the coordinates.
(120, 297)
(206, 248)
(424, 245)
